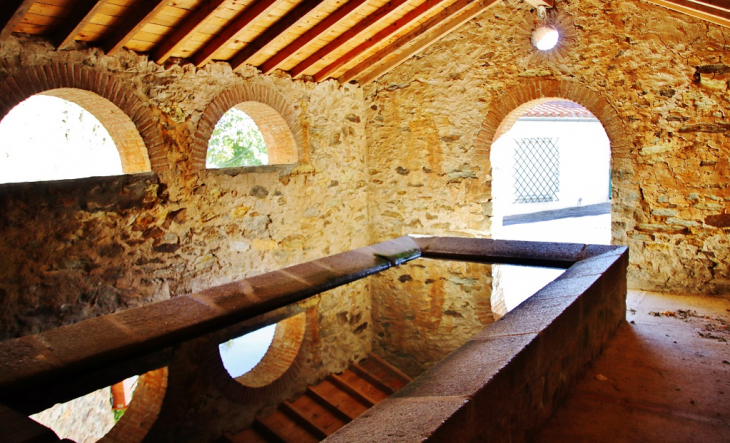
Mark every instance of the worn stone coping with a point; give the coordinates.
(527, 253)
(63, 362)
(508, 378)
(281, 169)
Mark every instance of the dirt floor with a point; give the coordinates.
(665, 377)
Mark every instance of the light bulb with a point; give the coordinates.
(545, 38)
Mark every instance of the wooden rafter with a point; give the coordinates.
(719, 4)
(278, 28)
(416, 40)
(11, 14)
(235, 28)
(397, 25)
(320, 28)
(343, 38)
(715, 11)
(142, 15)
(182, 34)
(74, 23)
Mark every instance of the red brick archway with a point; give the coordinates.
(509, 108)
(123, 114)
(142, 411)
(505, 112)
(273, 114)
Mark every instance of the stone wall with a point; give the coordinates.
(75, 249)
(431, 121)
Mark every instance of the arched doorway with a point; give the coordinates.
(550, 182)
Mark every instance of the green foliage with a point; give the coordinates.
(236, 141)
(118, 414)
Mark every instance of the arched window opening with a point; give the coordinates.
(68, 133)
(551, 182)
(250, 134)
(49, 138)
(236, 141)
(242, 354)
(127, 409)
(260, 357)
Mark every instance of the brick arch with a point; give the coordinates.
(271, 112)
(142, 411)
(279, 357)
(123, 114)
(505, 113)
(260, 395)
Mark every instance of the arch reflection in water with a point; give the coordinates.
(242, 354)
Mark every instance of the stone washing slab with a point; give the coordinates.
(509, 378)
(59, 364)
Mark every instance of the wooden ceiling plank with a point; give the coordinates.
(278, 28)
(423, 36)
(717, 4)
(49, 10)
(228, 34)
(709, 13)
(378, 15)
(73, 24)
(140, 16)
(11, 14)
(397, 25)
(185, 31)
(320, 28)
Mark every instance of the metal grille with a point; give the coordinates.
(537, 170)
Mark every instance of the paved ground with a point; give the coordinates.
(665, 377)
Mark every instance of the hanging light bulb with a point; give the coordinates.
(544, 37)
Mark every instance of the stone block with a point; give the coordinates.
(470, 368)
(501, 251)
(446, 419)
(315, 274)
(174, 317)
(397, 251)
(530, 317)
(23, 358)
(354, 264)
(87, 340)
(231, 297)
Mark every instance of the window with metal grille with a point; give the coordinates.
(537, 170)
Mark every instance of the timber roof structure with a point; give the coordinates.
(348, 40)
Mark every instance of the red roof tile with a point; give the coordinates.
(559, 109)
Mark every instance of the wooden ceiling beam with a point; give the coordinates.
(356, 29)
(278, 28)
(714, 12)
(416, 40)
(232, 30)
(137, 20)
(74, 23)
(320, 28)
(186, 31)
(718, 4)
(11, 14)
(396, 26)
